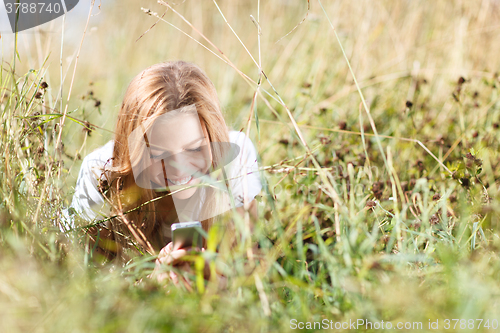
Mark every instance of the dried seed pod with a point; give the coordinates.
(44, 85)
(404, 185)
(88, 128)
(385, 239)
(284, 141)
(420, 165)
(377, 186)
(371, 204)
(378, 189)
(434, 219)
(409, 104)
(103, 185)
(436, 197)
(342, 125)
(324, 140)
(465, 181)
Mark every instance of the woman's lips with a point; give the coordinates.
(180, 181)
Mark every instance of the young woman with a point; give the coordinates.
(172, 159)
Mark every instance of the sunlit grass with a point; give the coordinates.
(400, 228)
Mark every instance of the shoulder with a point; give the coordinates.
(243, 170)
(87, 199)
(238, 137)
(101, 154)
(247, 153)
(97, 159)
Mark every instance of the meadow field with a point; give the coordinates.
(377, 124)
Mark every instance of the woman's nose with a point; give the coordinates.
(177, 165)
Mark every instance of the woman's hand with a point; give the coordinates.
(169, 256)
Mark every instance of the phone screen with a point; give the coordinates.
(187, 234)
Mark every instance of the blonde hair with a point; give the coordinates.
(153, 92)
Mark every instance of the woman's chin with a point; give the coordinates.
(185, 194)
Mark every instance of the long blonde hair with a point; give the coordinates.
(153, 92)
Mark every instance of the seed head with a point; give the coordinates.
(434, 219)
(370, 203)
(284, 141)
(324, 140)
(465, 181)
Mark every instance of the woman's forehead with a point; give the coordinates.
(176, 132)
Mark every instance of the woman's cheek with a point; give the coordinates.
(155, 169)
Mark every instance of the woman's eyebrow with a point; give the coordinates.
(157, 150)
(193, 142)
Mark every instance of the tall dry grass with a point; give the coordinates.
(402, 227)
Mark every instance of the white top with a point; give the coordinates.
(90, 205)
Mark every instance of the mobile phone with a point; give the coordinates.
(186, 234)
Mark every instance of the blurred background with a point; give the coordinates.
(423, 226)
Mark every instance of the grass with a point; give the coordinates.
(385, 210)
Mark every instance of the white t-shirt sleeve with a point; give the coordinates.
(243, 170)
(87, 201)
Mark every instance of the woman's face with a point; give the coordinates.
(180, 153)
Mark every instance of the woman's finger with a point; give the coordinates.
(165, 250)
(174, 278)
(173, 257)
(177, 279)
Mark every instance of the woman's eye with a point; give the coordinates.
(196, 149)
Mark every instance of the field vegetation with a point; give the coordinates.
(377, 126)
